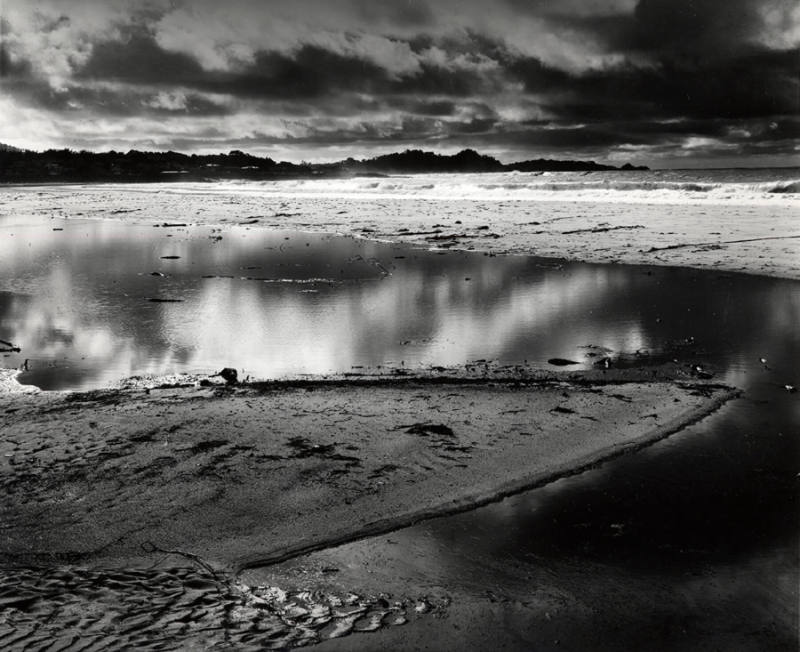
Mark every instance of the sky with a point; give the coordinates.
(666, 83)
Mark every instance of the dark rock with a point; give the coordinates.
(229, 375)
(561, 362)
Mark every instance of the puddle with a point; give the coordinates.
(85, 306)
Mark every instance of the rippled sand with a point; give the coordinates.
(181, 607)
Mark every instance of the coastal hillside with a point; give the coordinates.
(18, 166)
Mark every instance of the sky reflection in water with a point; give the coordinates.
(78, 303)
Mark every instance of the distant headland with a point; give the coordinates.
(65, 165)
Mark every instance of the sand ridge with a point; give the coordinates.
(256, 474)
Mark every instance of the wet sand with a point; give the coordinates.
(757, 239)
(151, 480)
(253, 475)
(239, 478)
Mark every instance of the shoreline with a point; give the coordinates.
(700, 234)
(109, 490)
(467, 503)
(134, 204)
(176, 477)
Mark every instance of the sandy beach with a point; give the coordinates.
(403, 325)
(207, 483)
(234, 478)
(255, 475)
(761, 236)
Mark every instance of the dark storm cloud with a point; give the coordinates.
(755, 84)
(434, 80)
(474, 126)
(581, 75)
(432, 107)
(708, 26)
(309, 72)
(752, 84)
(702, 60)
(139, 60)
(12, 70)
(20, 79)
(411, 13)
(567, 137)
(539, 77)
(783, 129)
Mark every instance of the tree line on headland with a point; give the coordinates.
(63, 165)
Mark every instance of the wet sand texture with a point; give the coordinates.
(758, 239)
(181, 608)
(248, 476)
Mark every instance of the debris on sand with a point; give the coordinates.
(426, 429)
(561, 362)
(304, 448)
(8, 347)
(700, 372)
(562, 410)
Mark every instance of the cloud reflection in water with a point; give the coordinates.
(276, 303)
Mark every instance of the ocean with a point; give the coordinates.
(738, 186)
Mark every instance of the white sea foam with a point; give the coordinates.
(740, 187)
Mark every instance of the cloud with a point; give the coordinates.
(55, 37)
(408, 14)
(310, 71)
(524, 76)
(706, 26)
(136, 58)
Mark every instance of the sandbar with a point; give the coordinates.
(250, 475)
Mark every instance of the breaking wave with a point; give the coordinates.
(667, 186)
(788, 187)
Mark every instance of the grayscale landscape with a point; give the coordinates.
(403, 325)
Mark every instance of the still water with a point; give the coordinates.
(90, 302)
(690, 541)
